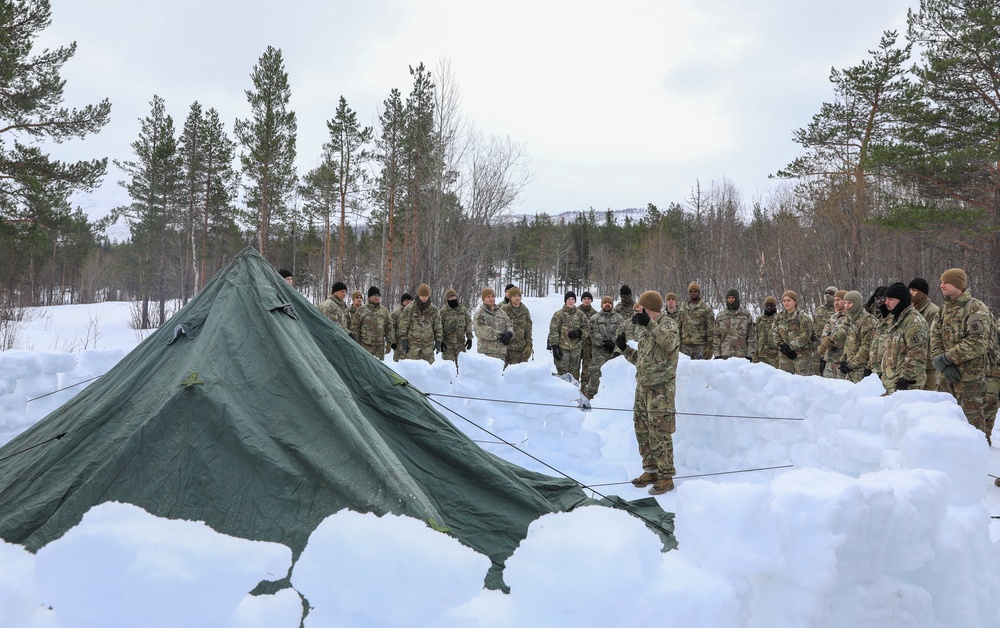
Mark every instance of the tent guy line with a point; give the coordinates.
(705, 475)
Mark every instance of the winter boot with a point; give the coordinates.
(661, 486)
(644, 480)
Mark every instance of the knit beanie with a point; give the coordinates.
(451, 294)
(790, 294)
(899, 291)
(586, 295)
(694, 286)
(955, 277)
(513, 291)
(488, 292)
(372, 291)
(651, 300)
(568, 296)
(508, 287)
(625, 290)
(770, 301)
(423, 290)
(840, 294)
(854, 297)
(406, 297)
(285, 273)
(356, 295)
(670, 295)
(920, 284)
(607, 299)
(338, 286)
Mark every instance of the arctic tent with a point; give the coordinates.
(250, 411)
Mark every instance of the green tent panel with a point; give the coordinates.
(251, 412)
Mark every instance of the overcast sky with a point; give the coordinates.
(619, 104)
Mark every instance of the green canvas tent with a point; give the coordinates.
(251, 412)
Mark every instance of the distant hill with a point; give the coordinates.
(635, 213)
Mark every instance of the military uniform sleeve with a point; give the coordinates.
(554, 328)
(915, 358)
(976, 340)
(356, 324)
(751, 337)
(715, 337)
(438, 329)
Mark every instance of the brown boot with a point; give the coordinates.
(644, 480)
(661, 486)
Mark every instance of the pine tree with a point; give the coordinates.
(320, 192)
(268, 141)
(418, 146)
(348, 146)
(389, 184)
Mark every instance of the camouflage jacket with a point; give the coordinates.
(860, 333)
(456, 326)
(420, 326)
(490, 325)
(520, 321)
(336, 310)
(962, 332)
(656, 358)
(588, 310)
(834, 337)
(905, 350)
(794, 329)
(821, 316)
(880, 329)
(625, 308)
(396, 313)
(604, 327)
(735, 334)
(565, 320)
(372, 325)
(696, 323)
(674, 315)
(928, 310)
(766, 345)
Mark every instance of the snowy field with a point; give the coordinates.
(800, 502)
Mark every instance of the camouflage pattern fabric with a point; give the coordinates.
(372, 328)
(767, 348)
(456, 328)
(820, 317)
(397, 353)
(857, 346)
(794, 329)
(566, 320)
(585, 348)
(963, 333)
(929, 311)
(335, 309)
(603, 328)
(490, 324)
(832, 344)
(696, 326)
(905, 352)
(879, 331)
(420, 325)
(521, 347)
(735, 334)
(624, 308)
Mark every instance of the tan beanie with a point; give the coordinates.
(670, 295)
(423, 290)
(694, 286)
(513, 291)
(840, 294)
(356, 295)
(651, 300)
(790, 294)
(955, 277)
(607, 299)
(770, 300)
(451, 294)
(488, 292)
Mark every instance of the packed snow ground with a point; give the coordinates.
(879, 514)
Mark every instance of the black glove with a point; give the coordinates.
(506, 337)
(393, 346)
(822, 365)
(641, 318)
(844, 368)
(351, 334)
(904, 384)
(867, 372)
(608, 346)
(573, 335)
(621, 342)
(947, 368)
(438, 346)
(557, 353)
(468, 344)
(789, 353)
(406, 346)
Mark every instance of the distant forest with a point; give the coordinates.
(898, 177)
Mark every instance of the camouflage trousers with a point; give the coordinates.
(655, 423)
(518, 355)
(376, 350)
(992, 402)
(768, 357)
(931, 383)
(598, 359)
(971, 397)
(800, 365)
(812, 367)
(831, 370)
(420, 353)
(697, 352)
(451, 349)
(586, 355)
(570, 362)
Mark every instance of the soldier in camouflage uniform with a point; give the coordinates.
(735, 332)
(456, 328)
(371, 325)
(521, 346)
(833, 339)
(960, 342)
(420, 332)
(335, 308)
(655, 387)
(767, 347)
(397, 351)
(357, 302)
(585, 350)
(879, 332)
(857, 345)
(603, 327)
(918, 291)
(876, 301)
(793, 336)
(696, 324)
(905, 356)
(992, 402)
(567, 333)
(671, 308)
(624, 308)
(493, 329)
(821, 316)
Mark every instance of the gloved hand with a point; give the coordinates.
(557, 353)
(866, 372)
(351, 334)
(788, 352)
(621, 342)
(573, 335)
(947, 368)
(393, 346)
(708, 353)
(822, 365)
(844, 368)
(468, 344)
(904, 384)
(406, 346)
(506, 337)
(608, 346)
(641, 318)
(438, 346)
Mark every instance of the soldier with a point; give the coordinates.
(335, 309)
(520, 347)
(357, 302)
(960, 341)
(420, 327)
(875, 301)
(767, 347)
(860, 333)
(793, 336)
(372, 326)
(735, 332)
(287, 276)
(603, 328)
(671, 309)
(567, 333)
(493, 329)
(397, 351)
(904, 356)
(833, 339)
(506, 294)
(918, 291)
(655, 387)
(821, 315)
(624, 308)
(585, 350)
(456, 328)
(696, 323)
